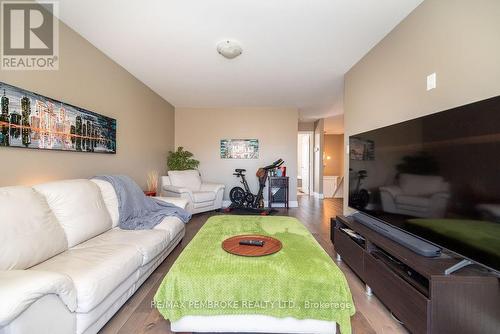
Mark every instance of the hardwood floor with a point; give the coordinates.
(137, 315)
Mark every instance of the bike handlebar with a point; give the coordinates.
(275, 164)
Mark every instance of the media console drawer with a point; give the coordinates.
(350, 251)
(404, 301)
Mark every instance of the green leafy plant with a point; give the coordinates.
(181, 160)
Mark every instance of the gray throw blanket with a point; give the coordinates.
(137, 211)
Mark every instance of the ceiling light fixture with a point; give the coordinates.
(229, 49)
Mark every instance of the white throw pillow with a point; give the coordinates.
(186, 179)
(79, 208)
(420, 185)
(29, 231)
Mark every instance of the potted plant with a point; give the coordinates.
(181, 160)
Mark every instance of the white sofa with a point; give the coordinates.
(422, 196)
(187, 184)
(65, 266)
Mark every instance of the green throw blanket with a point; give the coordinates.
(300, 281)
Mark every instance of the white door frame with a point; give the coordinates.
(311, 159)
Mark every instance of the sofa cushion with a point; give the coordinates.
(413, 201)
(96, 271)
(420, 185)
(149, 243)
(204, 196)
(186, 179)
(30, 233)
(172, 225)
(78, 207)
(110, 199)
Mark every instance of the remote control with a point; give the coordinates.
(258, 243)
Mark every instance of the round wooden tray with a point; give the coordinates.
(271, 245)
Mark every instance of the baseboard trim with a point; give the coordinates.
(318, 195)
(291, 204)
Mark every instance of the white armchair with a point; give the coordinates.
(187, 184)
(422, 196)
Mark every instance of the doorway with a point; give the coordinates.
(304, 160)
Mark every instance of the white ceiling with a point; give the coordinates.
(295, 52)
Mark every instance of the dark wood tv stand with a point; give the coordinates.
(415, 289)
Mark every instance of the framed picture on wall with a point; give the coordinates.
(361, 149)
(239, 148)
(31, 120)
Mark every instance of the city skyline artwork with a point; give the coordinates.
(30, 120)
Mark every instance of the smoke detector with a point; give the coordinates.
(229, 49)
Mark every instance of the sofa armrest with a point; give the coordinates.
(443, 195)
(173, 191)
(165, 181)
(19, 289)
(392, 190)
(215, 187)
(177, 201)
(177, 190)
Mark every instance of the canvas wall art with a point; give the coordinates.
(30, 120)
(361, 149)
(239, 148)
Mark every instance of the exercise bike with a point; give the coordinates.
(243, 197)
(360, 197)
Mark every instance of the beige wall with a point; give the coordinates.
(88, 79)
(200, 131)
(457, 39)
(334, 148)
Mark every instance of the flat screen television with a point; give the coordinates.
(436, 177)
